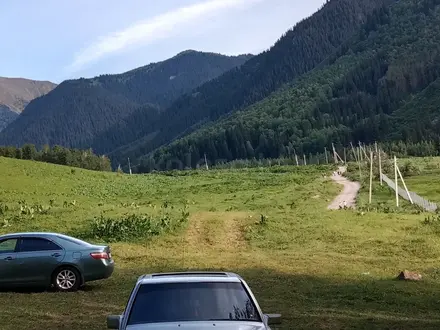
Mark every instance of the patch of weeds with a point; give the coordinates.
(133, 205)
(432, 220)
(69, 204)
(263, 220)
(384, 208)
(257, 228)
(134, 226)
(30, 210)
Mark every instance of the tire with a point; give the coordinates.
(66, 279)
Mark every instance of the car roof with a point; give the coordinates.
(41, 234)
(189, 276)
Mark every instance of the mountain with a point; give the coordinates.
(382, 84)
(7, 116)
(298, 51)
(16, 93)
(77, 111)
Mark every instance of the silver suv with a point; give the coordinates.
(192, 300)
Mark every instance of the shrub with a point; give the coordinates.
(133, 226)
(410, 169)
(263, 220)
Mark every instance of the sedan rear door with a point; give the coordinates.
(39, 257)
(9, 263)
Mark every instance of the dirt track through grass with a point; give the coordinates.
(348, 193)
(222, 231)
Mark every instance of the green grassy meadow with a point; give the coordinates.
(320, 269)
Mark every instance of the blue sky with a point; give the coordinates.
(60, 39)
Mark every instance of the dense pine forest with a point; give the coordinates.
(59, 155)
(373, 88)
(398, 149)
(298, 51)
(6, 117)
(77, 111)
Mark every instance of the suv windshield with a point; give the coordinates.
(192, 301)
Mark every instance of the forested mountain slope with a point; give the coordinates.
(7, 116)
(381, 85)
(16, 93)
(296, 52)
(77, 111)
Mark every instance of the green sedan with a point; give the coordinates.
(52, 260)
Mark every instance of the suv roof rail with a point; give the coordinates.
(189, 273)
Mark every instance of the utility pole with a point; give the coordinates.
(371, 176)
(396, 183)
(206, 163)
(380, 169)
(354, 152)
(129, 166)
(404, 185)
(334, 154)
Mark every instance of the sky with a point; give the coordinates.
(57, 40)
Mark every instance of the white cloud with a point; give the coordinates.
(146, 32)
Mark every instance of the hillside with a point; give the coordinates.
(381, 85)
(16, 93)
(7, 116)
(77, 111)
(298, 51)
(320, 269)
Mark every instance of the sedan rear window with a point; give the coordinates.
(192, 301)
(32, 244)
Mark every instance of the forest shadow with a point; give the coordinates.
(305, 301)
(313, 302)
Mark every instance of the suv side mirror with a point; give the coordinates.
(273, 319)
(113, 321)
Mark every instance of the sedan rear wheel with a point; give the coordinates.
(66, 279)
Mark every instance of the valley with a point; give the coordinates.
(205, 161)
(320, 268)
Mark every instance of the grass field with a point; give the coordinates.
(426, 180)
(422, 176)
(320, 269)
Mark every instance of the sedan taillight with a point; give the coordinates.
(99, 255)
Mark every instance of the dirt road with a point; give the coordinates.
(348, 194)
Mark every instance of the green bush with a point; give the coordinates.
(134, 226)
(410, 169)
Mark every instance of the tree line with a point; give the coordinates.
(59, 155)
(347, 153)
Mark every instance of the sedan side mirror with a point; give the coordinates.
(113, 321)
(273, 319)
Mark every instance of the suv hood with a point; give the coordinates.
(217, 325)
